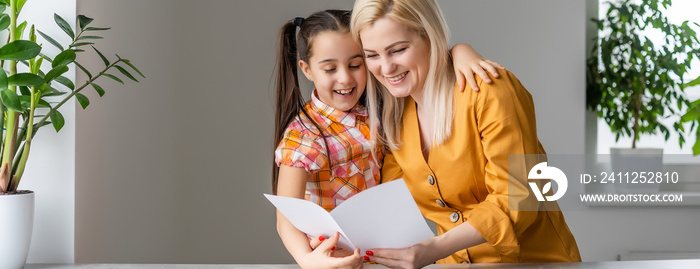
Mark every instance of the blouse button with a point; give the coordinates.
(440, 202)
(454, 217)
(431, 179)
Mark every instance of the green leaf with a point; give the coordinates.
(3, 79)
(25, 100)
(83, 21)
(98, 89)
(104, 59)
(4, 21)
(81, 44)
(63, 24)
(24, 90)
(19, 50)
(90, 37)
(694, 82)
(55, 72)
(51, 40)
(82, 99)
(25, 79)
(64, 58)
(113, 77)
(57, 119)
(20, 29)
(3, 6)
(20, 5)
(132, 66)
(97, 28)
(65, 81)
(51, 92)
(126, 73)
(84, 69)
(11, 100)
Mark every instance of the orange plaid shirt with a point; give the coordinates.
(347, 137)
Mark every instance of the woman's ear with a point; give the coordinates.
(306, 69)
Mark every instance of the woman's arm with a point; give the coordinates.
(292, 183)
(468, 62)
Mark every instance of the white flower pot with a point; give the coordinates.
(631, 164)
(16, 224)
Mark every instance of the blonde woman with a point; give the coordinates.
(452, 147)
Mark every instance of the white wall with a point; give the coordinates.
(50, 171)
(171, 170)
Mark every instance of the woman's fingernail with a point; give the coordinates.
(370, 253)
(333, 248)
(321, 238)
(366, 258)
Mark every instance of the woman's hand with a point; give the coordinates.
(468, 62)
(325, 255)
(416, 256)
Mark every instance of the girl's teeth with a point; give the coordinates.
(344, 92)
(397, 78)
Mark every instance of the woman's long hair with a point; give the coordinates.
(425, 18)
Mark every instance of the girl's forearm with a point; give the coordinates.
(296, 242)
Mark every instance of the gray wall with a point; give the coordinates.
(171, 170)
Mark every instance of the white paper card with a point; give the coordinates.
(384, 216)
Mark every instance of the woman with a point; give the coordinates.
(454, 157)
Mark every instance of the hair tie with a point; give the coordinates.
(298, 21)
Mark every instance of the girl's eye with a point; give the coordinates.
(329, 70)
(354, 66)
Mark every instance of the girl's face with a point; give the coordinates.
(337, 69)
(398, 57)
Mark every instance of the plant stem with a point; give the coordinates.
(28, 142)
(10, 124)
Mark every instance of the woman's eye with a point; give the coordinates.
(399, 50)
(368, 56)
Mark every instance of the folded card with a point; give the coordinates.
(384, 216)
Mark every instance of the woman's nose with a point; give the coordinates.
(387, 66)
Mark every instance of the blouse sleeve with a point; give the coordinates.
(390, 168)
(506, 122)
(299, 148)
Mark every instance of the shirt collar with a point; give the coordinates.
(329, 113)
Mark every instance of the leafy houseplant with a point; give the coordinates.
(29, 101)
(634, 83)
(25, 94)
(693, 115)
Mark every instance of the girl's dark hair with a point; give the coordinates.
(290, 102)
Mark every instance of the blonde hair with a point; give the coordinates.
(425, 18)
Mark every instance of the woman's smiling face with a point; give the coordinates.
(398, 57)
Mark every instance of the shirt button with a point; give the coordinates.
(454, 217)
(440, 202)
(431, 179)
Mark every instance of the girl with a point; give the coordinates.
(323, 149)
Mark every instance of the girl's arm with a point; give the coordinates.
(292, 183)
(468, 62)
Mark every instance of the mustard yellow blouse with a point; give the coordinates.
(466, 177)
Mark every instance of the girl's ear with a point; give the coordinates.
(306, 69)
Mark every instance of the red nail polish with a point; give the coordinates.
(366, 258)
(321, 238)
(333, 248)
(370, 253)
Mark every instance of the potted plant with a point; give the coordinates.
(29, 101)
(693, 115)
(633, 83)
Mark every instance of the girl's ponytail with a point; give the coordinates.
(289, 99)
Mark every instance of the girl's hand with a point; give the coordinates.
(468, 62)
(338, 252)
(323, 256)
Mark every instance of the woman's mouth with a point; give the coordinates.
(396, 79)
